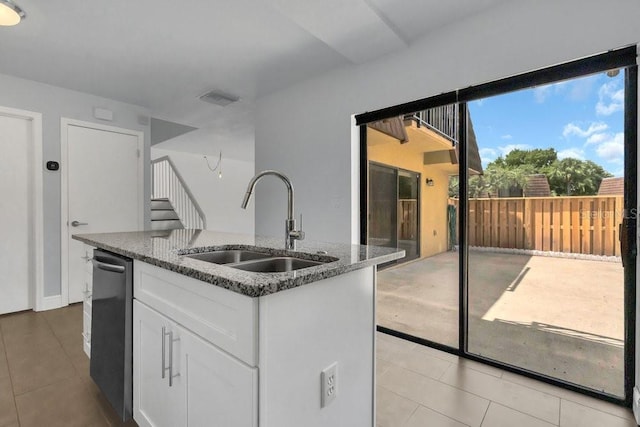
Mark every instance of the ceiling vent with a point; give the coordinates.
(219, 98)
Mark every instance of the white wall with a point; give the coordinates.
(305, 131)
(54, 103)
(219, 198)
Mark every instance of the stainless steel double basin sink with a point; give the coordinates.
(258, 262)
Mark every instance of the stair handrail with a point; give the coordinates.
(181, 206)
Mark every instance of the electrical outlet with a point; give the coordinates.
(329, 384)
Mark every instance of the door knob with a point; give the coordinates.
(78, 223)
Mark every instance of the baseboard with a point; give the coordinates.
(49, 303)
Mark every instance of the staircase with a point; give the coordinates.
(164, 216)
(173, 206)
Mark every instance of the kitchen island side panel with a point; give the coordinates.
(307, 329)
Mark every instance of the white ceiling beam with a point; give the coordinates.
(350, 27)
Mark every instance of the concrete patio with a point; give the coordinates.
(556, 316)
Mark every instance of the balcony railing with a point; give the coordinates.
(442, 120)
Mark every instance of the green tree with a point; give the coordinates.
(499, 177)
(574, 177)
(571, 177)
(538, 158)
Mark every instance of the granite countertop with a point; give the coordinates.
(166, 249)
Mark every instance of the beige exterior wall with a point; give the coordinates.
(433, 199)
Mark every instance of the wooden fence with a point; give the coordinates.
(584, 225)
(408, 219)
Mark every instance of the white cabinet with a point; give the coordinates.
(155, 402)
(183, 380)
(221, 390)
(225, 349)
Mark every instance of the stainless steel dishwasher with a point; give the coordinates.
(112, 329)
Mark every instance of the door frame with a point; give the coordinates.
(64, 191)
(36, 288)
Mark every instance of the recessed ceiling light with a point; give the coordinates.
(10, 13)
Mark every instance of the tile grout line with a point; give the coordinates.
(84, 384)
(505, 405)
(485, 413)
(595, 409)
(506, 380)
(39, 314)
(560, 412)
(485, 397)
(425, 406)
(412, 412)
(77, 373)
(570, 399)
(6, 358)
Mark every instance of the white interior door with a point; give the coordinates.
(104, 191)
(16, 145)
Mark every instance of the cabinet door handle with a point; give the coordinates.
(171, 376)
(164, 334)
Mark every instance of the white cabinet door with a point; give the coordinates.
(209, 387)
(155, 403)
(221, 390)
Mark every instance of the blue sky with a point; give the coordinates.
(581, 118)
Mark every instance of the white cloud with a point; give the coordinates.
(542, 93)
(510, 147)
(574, 129)
(597, 138)
(487, 155)
(574, 153)
(618, 172)
(610, 99)
(612, 150)
(581, 88)
(507, 136)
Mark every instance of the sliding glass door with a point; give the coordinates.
(545, 274)
(394, 211)
(527, 261)
(383, 199)
(412, 163)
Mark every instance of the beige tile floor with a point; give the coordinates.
(44, 381)
(44, 373)
(520, 307)
(419, 386)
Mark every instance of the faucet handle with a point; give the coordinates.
(297, 234)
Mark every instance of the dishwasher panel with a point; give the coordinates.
(111, 329)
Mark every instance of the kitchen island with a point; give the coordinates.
(214, 344)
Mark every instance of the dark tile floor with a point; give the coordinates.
(44, 373)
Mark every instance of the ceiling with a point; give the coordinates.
(164, 54)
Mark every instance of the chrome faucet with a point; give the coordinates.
(291, 234)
